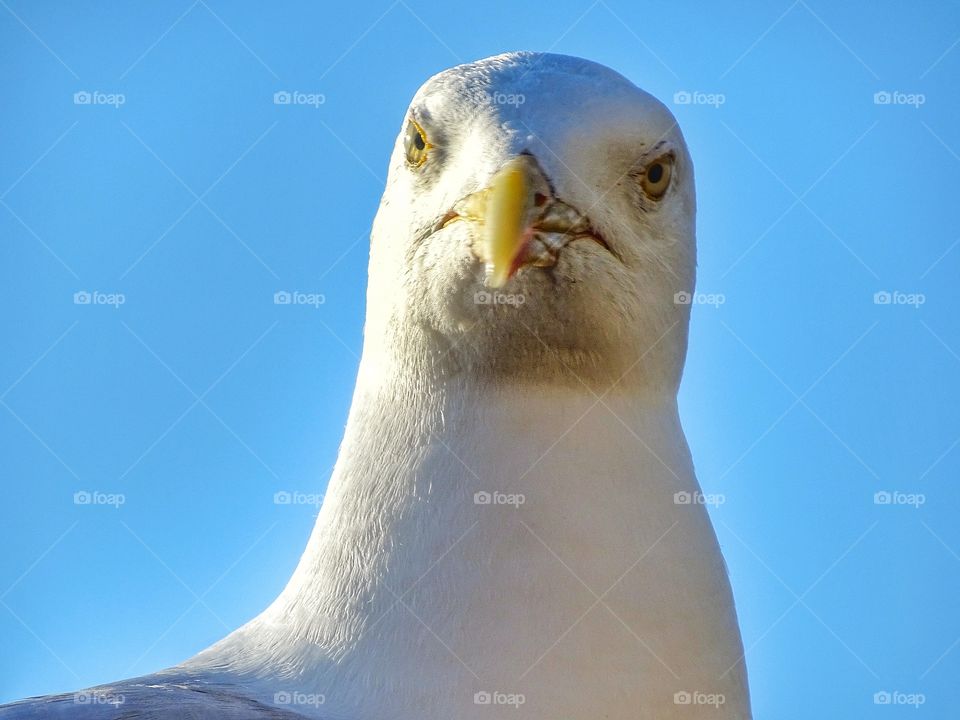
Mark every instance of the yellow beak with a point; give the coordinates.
(507, 219)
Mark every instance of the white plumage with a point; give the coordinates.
(502, 529)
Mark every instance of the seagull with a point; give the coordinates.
(513, 527)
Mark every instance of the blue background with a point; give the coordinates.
(199, 398)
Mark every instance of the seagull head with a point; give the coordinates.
(538, 220)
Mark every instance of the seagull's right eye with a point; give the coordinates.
(656, 176)
(415, 144)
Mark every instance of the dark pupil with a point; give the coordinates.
(655, 173)
(418, 141)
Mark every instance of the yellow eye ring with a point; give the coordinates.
(656, 176)
(415, 144)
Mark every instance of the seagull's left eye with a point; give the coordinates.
(656, 176)
(415, 144)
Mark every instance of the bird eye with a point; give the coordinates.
(415, 144)
(656, 177)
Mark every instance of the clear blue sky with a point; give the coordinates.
(198, 398)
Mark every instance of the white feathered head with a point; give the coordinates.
(538, 222)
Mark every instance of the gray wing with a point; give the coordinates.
(148, 699)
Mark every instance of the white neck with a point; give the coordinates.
(582, 586)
